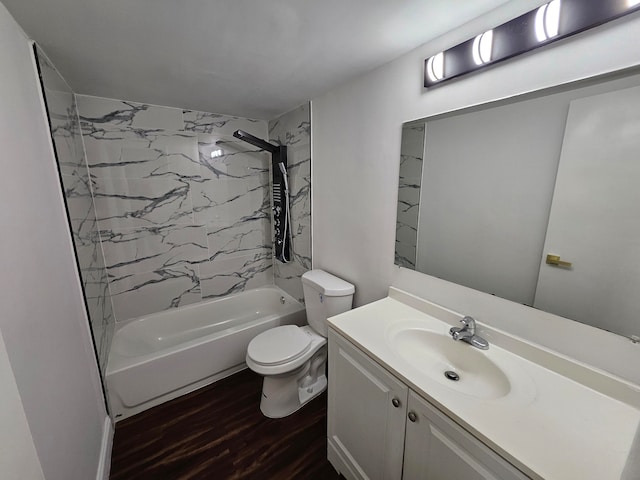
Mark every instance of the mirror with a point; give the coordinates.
(535, 199)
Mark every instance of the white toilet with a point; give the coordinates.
(293, 359)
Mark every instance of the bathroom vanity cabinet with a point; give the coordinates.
(378, 428)
(514, 411)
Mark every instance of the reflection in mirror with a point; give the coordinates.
(411, 153)
(487, 193)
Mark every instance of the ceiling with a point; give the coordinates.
(251, 58)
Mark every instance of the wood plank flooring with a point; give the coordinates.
(218, 432)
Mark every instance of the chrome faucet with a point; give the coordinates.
(468, 334)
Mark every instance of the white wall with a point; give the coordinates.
(357, 130)
(43, 320)
(18, 457)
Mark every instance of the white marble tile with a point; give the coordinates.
(411, 155)
(130, 203)
(248, 236)
(156, 291)
(203, 122)
(141, 154)
(110, 113)
(65, 133)
(223, 277)
(288, 278)
(231, 187)
(405, 255)
(412, 142)
(407, 217)
(141, 250)
(77, 192)
(167, 207)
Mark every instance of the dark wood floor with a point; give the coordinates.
(218, 432)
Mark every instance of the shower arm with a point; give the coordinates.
(255, 141)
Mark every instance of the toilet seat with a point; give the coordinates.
(279, 345)
(286, 348)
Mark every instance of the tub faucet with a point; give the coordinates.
(468, 334)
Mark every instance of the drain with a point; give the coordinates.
(451, 375)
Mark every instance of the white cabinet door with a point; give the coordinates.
(438, 449)
(594, 216)
(366, 415)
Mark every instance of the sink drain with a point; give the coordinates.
(451, 375)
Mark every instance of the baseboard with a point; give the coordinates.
(104, 466)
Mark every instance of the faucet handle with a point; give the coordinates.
(469, 324)
(468, 321)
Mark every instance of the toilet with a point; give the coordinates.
(293, 359)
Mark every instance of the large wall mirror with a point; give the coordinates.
(535, 199)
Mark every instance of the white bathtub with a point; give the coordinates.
(159, 357)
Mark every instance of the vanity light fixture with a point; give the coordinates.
(555, 20)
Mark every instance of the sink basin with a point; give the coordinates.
(434, 353)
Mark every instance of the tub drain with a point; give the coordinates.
(451, 375)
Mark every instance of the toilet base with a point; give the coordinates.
(283, 395)
(312, 391)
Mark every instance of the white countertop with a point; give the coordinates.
(561, 420)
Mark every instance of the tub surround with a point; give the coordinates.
(76, 186)
(178, 224)
(169, 210)
(293, 129)
(590, 417)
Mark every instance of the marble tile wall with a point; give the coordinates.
(183, 207)
(76, 185)
(293, 129)
(411, 160)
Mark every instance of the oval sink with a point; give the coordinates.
(434, 353)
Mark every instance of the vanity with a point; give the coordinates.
(408, 401)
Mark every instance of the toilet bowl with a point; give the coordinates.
(293, 359)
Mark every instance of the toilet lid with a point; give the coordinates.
(279, 345)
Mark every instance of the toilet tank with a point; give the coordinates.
(325, 295)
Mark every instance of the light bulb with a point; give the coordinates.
(547, 21)
(482, 46)
(435, 67)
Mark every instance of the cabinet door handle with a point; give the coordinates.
(412, 416)
(395, 402)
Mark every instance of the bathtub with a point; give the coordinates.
(159, 357)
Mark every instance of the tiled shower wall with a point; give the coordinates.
(293, 129)
(183, 207)
(411, 160)
(76, 184)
